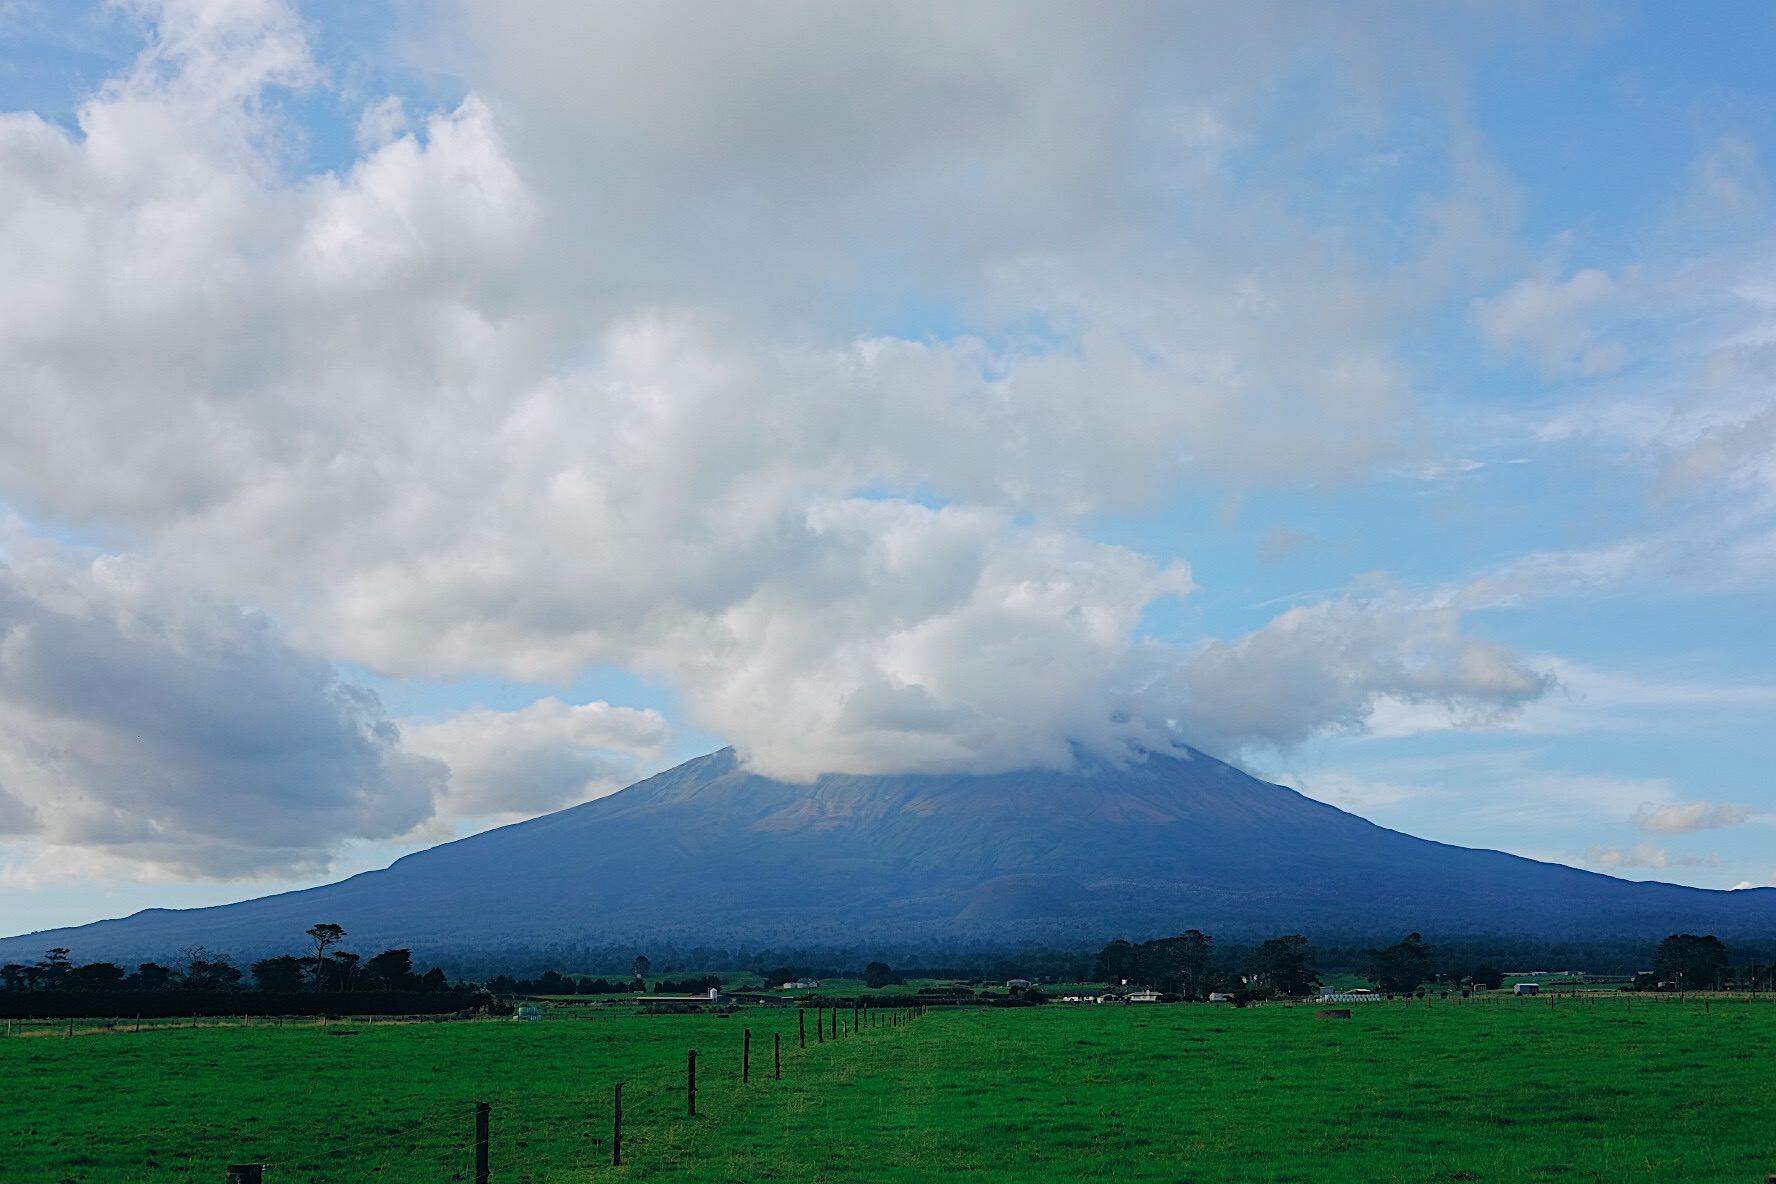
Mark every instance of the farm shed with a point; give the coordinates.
(1527, 989)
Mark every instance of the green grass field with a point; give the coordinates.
(1603, 1089)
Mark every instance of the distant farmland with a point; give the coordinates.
(1589, 1088)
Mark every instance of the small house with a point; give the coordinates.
(1019, 983)
(528, 1013)
(1527, 989)
(1220, 997)
(1143, 996)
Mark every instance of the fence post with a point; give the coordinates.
(246, 1173)
(819, 1025)
(482, 1110)
(802, 1023)
(777, 1053)
(691, 1083)
(617, 1131)
(746, 1057)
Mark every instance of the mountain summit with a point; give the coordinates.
(709, 854)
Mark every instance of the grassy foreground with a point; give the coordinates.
(1602, 1089)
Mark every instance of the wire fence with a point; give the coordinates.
(544, 1129)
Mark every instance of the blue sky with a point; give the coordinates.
(423, 416)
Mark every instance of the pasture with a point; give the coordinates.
(1603, 1088)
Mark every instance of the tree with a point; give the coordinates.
(641, 966)
(1692, 963)
(345, 971)
(1398, 969)
(14, 976)
(150, 976)
(434, 980)
(1284, 966)
(282, 973)
(55, 968)
(96, 976)
(1485, 975)
(879, 974)
(779, 975)
(1115, 963)
(391, 970)
(200, 970)
(1193, 956)
(325, 936)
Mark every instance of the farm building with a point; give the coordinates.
(714, 996)
(1527, 989)
(1143, 996)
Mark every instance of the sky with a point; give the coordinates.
(420, 415)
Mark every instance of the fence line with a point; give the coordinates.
(482, 1135)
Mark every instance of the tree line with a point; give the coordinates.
(196, 969)
(1189, 967)
(326, 968)
(553, 982)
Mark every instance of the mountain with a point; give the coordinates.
(709, 854)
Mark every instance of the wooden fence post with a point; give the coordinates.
(482, 1110)
(691, 1083)
(777, 1053)
(617, 1131)
(802, 1023)
(746, 1057)
(819, 1025)
(246, 1173)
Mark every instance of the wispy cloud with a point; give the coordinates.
(1687, 817)
(1549, 321)
(1645, 855)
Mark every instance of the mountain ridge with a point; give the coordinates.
(708, 853)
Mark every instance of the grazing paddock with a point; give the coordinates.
(1602, 1089)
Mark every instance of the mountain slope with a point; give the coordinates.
(707, 853)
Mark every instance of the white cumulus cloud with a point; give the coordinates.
(542, 757)
(152, 727)
(583, 369)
